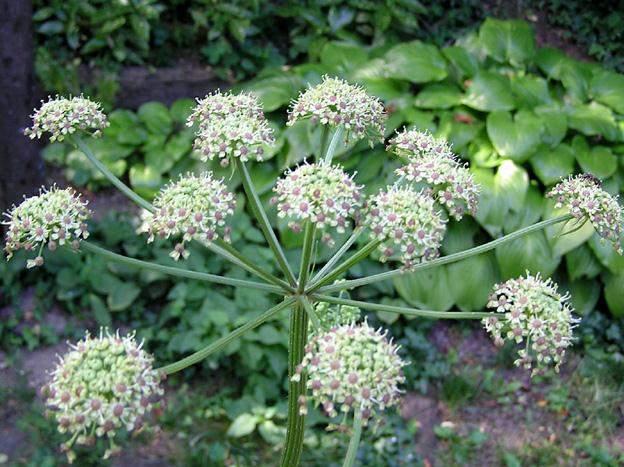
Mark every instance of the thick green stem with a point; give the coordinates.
(121, 186)
(179, 272)
(306, 255)
(263, 221)
(295, 426)
(332, 145)
(401, 309)
(225, 340)
(446, 259)
(232, 254)
(355, 440)
(334, 259)
(353, 259)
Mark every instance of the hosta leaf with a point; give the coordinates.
(510, 41)
(584, 295)
(599, 161)
(416, 62)
(531, 252)
(156, 118)
(515, 138)
(439, 96)
(488, 92)
(428, 289)
(275, 91)
(463, 62)
(530, 91)
(555, 122)
(614, 294)
(472, 281)
(593, 120)
(608, 88)
(550, 165)
(581, 262)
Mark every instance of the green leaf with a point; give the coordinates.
(145, 180)
(416, 62)
(515, 138)
(555, 123)
(122, 296)
(99, 310)
(608, 88)
(531, 252)
(426, 289)
(585, 295)
(458, 128)
(463, 62)
(607, 256)
(532, 209)
(156, 118)
(614, 294)
(510, 41)
(438, 96)
(530, 91)
(243, 425)
(562, 244)
(181, 109)
(550, 165)
(599, 161)
(343, 56)
(275, 91)
(575, 76)
(593, 120)
(489, 92)
(472, 280)
(581, 262)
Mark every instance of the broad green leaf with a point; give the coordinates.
(122, 296)
(581, 262)
(488, 92)
(594, 119)
(99, 310)
(472, 280)
(608, 88)
(438, 96)
(599, 161)
(181, 109)
(458, 128)
(343, 56)
(462, 61)
(510, 41)
(550, 165)
(159, 160)
(416, 62)
(529, 253)
(585, 295)
(614, 294)
(512, 183)
(275, 91)
(530, 91)
(562, 244)
(481, 152)
(531, 211)
(607, 256)
(243, 425)
(428, 289)
(515, 138)
(555, 122)
(574, 75)
(156, 118)
(145, 180)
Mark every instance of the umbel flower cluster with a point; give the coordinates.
(407, 224)
(352, 367)
(337, 103)
(230, 125)
(52, 218)
(319, 193)
(331, 316)
(195, 206)
(103, 385)
(431, 162)
(62, 117)
(584, 197)
(536, 314)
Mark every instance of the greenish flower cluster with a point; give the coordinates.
(335, 102)
(195, 206)
(584, 197)
(61, 117)
(352, 367)
(430, 161)
(406, 223)
(52, 218)
(535, 313)
(320, 193)
(331, 316)
(230, 125)
(101, 386)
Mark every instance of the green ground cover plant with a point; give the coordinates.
(523, 116)
(336, 362)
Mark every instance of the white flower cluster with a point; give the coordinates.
(103, 385)
(61, 117)
(230, 125)
(335, 102)
(534, 313)
(331, 316)
(406, 223)
(52, 218)
(430, 161)
(320, 193)
(195, 206)
(584, 197)
(352, 368)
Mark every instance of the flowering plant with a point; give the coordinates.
(336, 361)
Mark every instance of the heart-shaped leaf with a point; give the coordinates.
(594, 119)
(438, 96)
(516, 138)
(509, 41)
(416, 62)
(608, 88)
(488, 92)
(550, 165)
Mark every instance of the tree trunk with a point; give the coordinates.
(21, 168)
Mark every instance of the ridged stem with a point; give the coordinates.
(354, 442)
